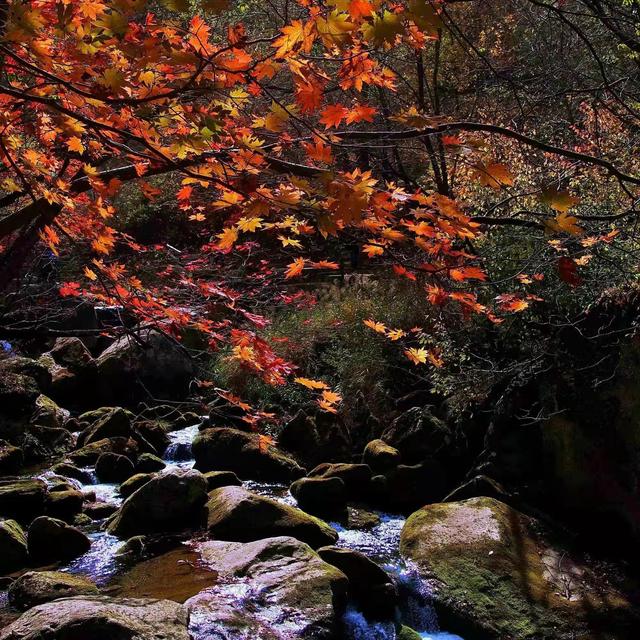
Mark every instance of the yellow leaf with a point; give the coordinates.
(331, 396)
(227, 238)
(311, 384)
(378, 327)
(249, 224)
(384, 28)
(417, 356)
(336, 29)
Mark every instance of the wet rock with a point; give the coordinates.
(247, 454)
(99, 510)
(37, 587)
(380, 456)
(72, 354)
(48, 414)
(417, 433)
(407, 633)
(89, 454)
(148, 463)
(101, 618)
(132, 484)
(21, 381)
(322, 437)
(112, 422)
(290, 592)
(64, 504)
(356, 477)
(171, 501)
(71, 471)
(113, 467)
(217, 479)
(358, 518)
(22, 499)
(233, 513)
(40, 442)
(370, 587)
(407, 487)
(156, 361)
(496, 573)
(60, 483)
(320, 496)
(11, 458)
(13, 547)
(152, 432)
(51, 540)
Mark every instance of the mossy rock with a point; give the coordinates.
(498, 575)
(13, 546)
(240, 515)
(247, 454)
(37, 587)
(171, 501)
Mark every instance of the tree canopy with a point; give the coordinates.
(483, 151)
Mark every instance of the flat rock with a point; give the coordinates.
(290, 592)
(101, 618)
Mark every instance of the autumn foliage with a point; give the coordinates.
(286, 129)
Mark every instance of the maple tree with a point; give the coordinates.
(293, 126)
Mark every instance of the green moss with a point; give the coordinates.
(491, 566)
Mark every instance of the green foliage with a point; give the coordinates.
(330, 342)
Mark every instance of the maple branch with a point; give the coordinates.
(410, 134)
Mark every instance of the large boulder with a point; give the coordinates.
(356, 477)
(48, 414)
(51, 540)
(321, 437)
(21, 382)
(370, 587)
(407, 487)
(11, 458)
(320, 496)
(64, 504)
(41, 442)
(22, 499)
(37, 587)
(290, 592)
(417, 433)
(217, 479)
(113, 467)
(89, 454)
(72, 354)
(496, 574)
(130, 368)
(171, 501)
(381, 456)
(148, 463)
(13, 547)
(233, 513)
(112, 422)
(247, 454)
(101, 618)
(130, 486)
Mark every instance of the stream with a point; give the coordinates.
(180, 574)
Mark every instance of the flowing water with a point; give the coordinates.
(379, 541)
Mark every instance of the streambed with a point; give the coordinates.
(179, 572)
